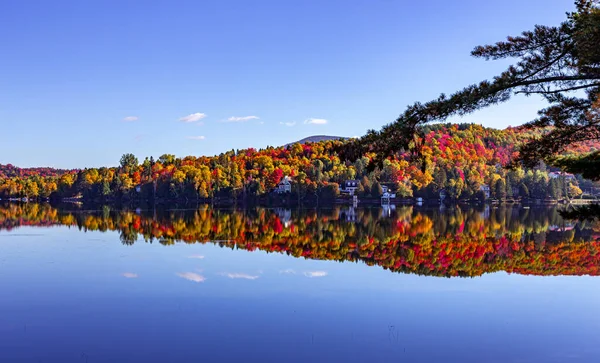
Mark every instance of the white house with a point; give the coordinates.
(350, 186)
(387, 193)
(284, 186)
(555, 175)
(486, 190)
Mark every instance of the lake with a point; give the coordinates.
(405, 284)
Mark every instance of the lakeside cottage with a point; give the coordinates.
(387, 195)
(555, 175)
(284, 186)
(486, 190)
(387, 192)
(349, 187)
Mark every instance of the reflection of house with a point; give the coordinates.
(285, 216)
(563, 228)
(388, 209)
(486, 212)
(443, 194)
(348, 214)
(567, 176)
(486, 190)
(349, 186)
(284, 186)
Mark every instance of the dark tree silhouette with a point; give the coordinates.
(552, 61)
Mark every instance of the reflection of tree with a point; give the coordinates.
(446, 242)
(128, 236)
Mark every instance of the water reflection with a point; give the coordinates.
(449, 242)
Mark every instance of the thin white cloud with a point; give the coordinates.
(194, 117)
(195, 137)
(240, 276)
(130, 118)
(241, 118)
(191, 276)
(315, 273)
(288, 124)
(288, 271)
(315, 121)
(129, 275)
(199, 257)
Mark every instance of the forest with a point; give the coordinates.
(461, 161)
(452, 242)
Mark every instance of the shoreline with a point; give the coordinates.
(310, 202)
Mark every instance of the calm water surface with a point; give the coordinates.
(277, 285)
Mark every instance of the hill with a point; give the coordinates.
(317, 138)
(11, 171)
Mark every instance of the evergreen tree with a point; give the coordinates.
(554, 191)
(376, 190)
(523, 190)
(552, 61)
(500, 189)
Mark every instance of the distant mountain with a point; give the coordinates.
(317, 138)
(11, 171)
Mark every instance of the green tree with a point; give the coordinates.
(500, 189)
(366, 186)
(166, 159)
(330, 191)
(105, 188)
(523, 190)
(554, 190)
(128, 162)
(440, 178)
(376, 190)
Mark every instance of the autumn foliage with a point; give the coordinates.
(454, 242)
(459, 159)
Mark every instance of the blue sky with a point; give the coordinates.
(82, 82)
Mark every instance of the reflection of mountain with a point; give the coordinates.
(452, 242)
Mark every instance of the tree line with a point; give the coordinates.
(463, 160)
